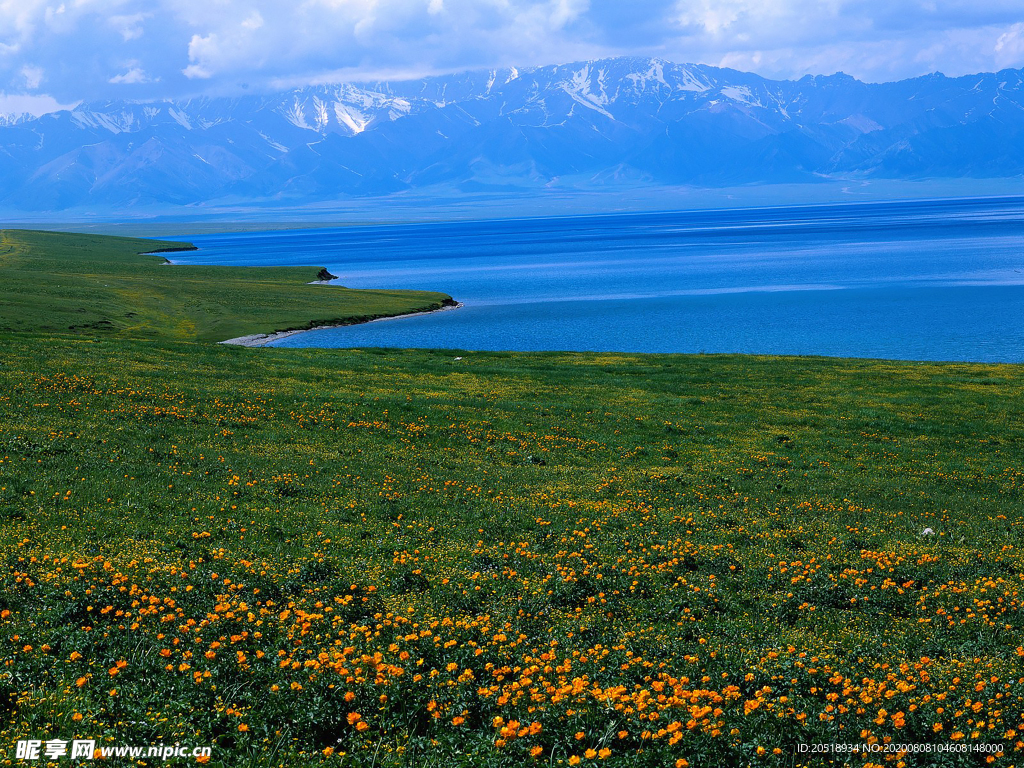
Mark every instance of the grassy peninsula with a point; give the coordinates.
(387, 557)
(104, 286)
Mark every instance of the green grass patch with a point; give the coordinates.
(92, 285)
(386, 557)
(436, 558)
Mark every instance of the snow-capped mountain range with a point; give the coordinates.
(581, 125)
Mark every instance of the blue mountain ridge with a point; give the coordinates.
(586, 125)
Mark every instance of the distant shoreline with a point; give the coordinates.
(263, 339)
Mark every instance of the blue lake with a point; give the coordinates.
(932, 280)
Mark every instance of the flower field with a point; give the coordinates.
(383, 558)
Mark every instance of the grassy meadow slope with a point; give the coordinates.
(587, 559)
(93, 285)
(437, 558)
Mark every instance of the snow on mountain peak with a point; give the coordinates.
(579, 87)
(348, 116)
(296, 115)
(123, 122)
(320, 113)
(657, 71)
(664, 122)
(181, 118)
(14, 118)
(740, 93)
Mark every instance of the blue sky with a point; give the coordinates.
(58, 52)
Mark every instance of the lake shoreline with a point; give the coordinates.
(263, 339)
(929, 281)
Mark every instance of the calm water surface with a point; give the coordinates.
(937, 280)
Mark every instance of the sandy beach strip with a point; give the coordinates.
(262, 339)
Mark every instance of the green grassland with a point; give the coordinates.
(387, 557)
(88, 284)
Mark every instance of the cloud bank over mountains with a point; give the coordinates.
(59, 52)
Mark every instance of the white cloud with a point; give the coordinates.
(254, 22)
(30, 104)
(565, 11)
(129, 26)
(33, 76)
(134, 75)
(217, 44)
(1009, 48)
(18, 20)
(710, 17)
(196, 72)
(234, 47)
(200, 49)
(55, 17)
